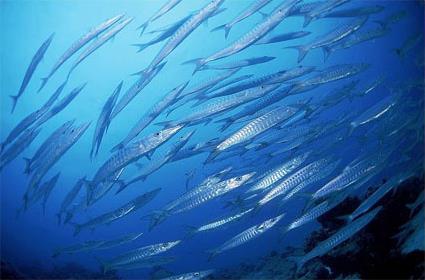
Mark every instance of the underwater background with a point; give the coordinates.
(30, 237)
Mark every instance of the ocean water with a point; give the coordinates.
(30, 238)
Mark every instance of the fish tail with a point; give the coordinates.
(104, 266)
(327, 51)
(122, 186)
(117, 147)
(212, 254)
(302, 51)
(307, 20)
(27, 165)
(226, 29)
(14, 102)
(226, 123)
(43, 83)
(166, 124)
(157, 217)
(212, 156)
(299, 262)
(77, 228)
(141, 46)
(190, 231)
(143, 27)
(199, 63)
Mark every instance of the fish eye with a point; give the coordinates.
(157, 134)
(239, 178)
(196, 274)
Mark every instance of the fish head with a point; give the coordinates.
(239, 180)
(201, 274)
(169, 245)
(269, 223)
(167, 133)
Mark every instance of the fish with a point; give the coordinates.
(240, 63)
(131, 93)
(36, 59)
(258, 32)
(77, 45)
(354, 39)
(356, 12)
(60, 105)
(391, 19)
(252, 9)
(371, 200)
(409, 44)
(32, 163)
(148, 262)
(69, 198)
(321, 10)
(335, 35)
(209, 189)
(218, 223)
(91, 245)
(170, 98)
(104, 120)
(219, 105)
(317, 211)
(276, 174)
(183, 32)
(195, 149)
(48, 190)
(56, 151)
(298, 177)
(157, 163)
(168, 6)
(118, 213)
(31, 119)
(255, 127)
(131, 153)
(94, 194)
(197, 275)
(246, 235)
(282, 37)
(139, 254)
(26, 138)
(337, 238)
(101, 40)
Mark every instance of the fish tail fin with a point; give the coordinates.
(27, 165)
(122, 186)
(212, 156)
(77, 228)
(141, 46)
(14, 102)
(190, 231)
(43, 83)
(104, 266)
(226, 123)
(139, 73)
(212, 254)
(345, 218)
(412, 207)
(263, 14)
(157, 217)
(299, 262)
(166, 124)
(143, 27)
(302, 51)
(117, 147)
(307, 20)
(226, 29)
(327, 51)
(199, 63)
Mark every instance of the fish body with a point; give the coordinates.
(81, 42)
(119, 213)
(222, 222)
(18, 146)
(252, 9)
(337, 238)
(247, 235)
(168, 6)
(251, 37)
(104, 120)
(240, 63)
(282, 37)
(321, 10)
(30, 70)
(96, 193)
(69, 198)
(107, 244)
(132, 153)
(139, 254)
(374, 112)
(294, 180)
(356, 12)
(278, 173)
(331, 37)
(197, 275)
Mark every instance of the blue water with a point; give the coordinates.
(31, 238)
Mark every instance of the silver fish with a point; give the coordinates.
(331, 37)
(131, 153)
(374, 112)
(99, 42)
(168, 6)
(246, 235)
(185, 30)
(197, 275)
(252, 9)
(18, 146)
(69, 198)
(337, 238)
(356, 12)
(278, 173)
(119, 213)
(282, 37)
(322, 10)
(259, 31)
(96, 193)
(147, 262)
(104, 120)
(93, 33)
(139, 254)
(30, 70)
(240, 63)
